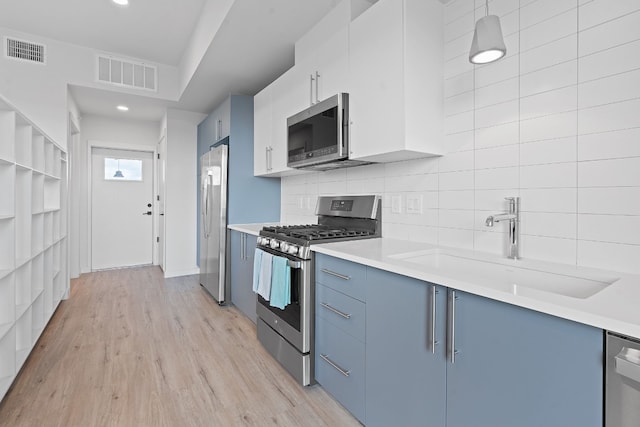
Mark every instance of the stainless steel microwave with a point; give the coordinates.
(318, 137)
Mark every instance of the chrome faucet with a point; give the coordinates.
(513, 216)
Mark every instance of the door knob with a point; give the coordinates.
(148, 205)
(146, 213)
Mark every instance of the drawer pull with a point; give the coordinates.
(334, 365)
(333, 273)
(335, 310)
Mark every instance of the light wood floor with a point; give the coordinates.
(130, 348)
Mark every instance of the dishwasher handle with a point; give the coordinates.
(627, 363)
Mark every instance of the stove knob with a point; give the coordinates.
(284, 247)
(274, 244)
(293, 250)
(263, 241)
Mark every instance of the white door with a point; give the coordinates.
(162, 163)
(121, 208)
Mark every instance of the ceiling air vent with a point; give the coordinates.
(127, 73)
(24, 50)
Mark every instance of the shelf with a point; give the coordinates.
(6, 162)
(7, 300)
(7, 184)
(7, 244)
(7, 135)
(5, 217)
(4, 272)
(22, 309)
(23, 168)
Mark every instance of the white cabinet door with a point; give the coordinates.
(289, 96)
(395, 84)
(261, 130)
(332, 66)
(376, 83)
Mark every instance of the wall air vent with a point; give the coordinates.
(126, 73)
(24, 50)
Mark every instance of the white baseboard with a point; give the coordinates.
(177, 273)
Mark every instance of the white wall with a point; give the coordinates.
(108, 130)
(40, 90)
(556, 122)
(180, 192)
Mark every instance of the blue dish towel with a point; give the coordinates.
(280, 283)
(257, 268)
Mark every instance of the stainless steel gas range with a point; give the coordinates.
(288, 334)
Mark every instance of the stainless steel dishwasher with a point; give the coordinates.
(622, 381)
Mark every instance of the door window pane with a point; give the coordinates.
(122, 169)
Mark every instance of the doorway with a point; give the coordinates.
(121, 208)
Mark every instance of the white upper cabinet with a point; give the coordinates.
(261, 131)
(395, 86)
(222, 120)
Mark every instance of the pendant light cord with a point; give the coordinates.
(486, 7)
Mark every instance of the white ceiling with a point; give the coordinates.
(253, 46)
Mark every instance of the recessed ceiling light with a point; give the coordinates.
(121, 2)
(123, 108)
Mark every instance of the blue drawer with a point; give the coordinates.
(343, 276)
(335, 347)
(341, 311)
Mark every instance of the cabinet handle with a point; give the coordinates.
(266, 157)
(431, 337)
(324, 357)
(451, 325)
(311, 80)
(219, 130)
(317, 85)
(333, 273)
(335, 310)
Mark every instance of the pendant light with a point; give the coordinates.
(118, 173)
(488, 43)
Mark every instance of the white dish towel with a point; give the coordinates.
(264, 281)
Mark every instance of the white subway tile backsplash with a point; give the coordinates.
(549, 249)
(609, 145)
(458, 123)
(455, 199)
(556, 175)
(609, 173)
(609, 256)
(598, 11)
(558, 129)
(552, 29)
(463, 219)
(609, 34)
(506, 90)
(498, 71)
(548, 200)
(498, 114)
(460, 161)
(608, 62)
(549, 151)
(547, 79)
(457, 65)
(456, 181)
(497, 135)
(546, 224)
(455, 237)
(542, 10)
(609, 228)
(619, 87)
(549, 127)
(457, 9)
(458, 104)
(457, 28)
(546, 103)
(462, 141)
(556, 52)
(487, 179)
(497, 157)
(458, 84)
(620, 115)
(609, 200)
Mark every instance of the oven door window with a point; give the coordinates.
(292, 312)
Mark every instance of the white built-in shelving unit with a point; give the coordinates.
(33, 231)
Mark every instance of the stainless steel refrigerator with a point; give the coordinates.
(213, 222)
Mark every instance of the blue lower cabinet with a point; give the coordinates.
(339, 366)
(242, 252)
(406, 381)
(519, 367)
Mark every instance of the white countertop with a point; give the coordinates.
(615, 308)
(253, 229)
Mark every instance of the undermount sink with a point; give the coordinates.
(511, 276)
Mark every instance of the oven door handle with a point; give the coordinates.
(294, 264)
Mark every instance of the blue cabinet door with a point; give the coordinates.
(242, 252)
(518, 367)
(405, 380)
